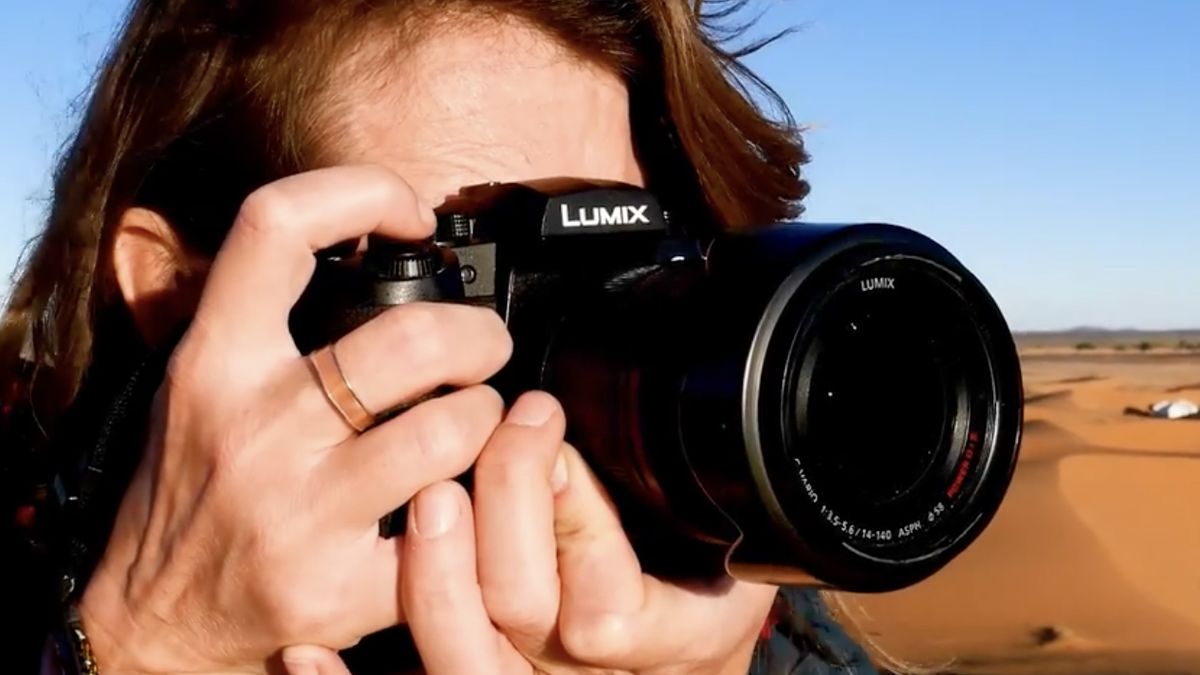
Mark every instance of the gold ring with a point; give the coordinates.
(338, 390)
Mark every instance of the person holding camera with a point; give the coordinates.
(223, 145)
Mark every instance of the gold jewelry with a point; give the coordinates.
(73, 651)
(338, 391)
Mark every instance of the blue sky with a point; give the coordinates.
(1053, 146)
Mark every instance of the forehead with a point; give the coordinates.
(487, 100)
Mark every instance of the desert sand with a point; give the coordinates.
(1092, 564)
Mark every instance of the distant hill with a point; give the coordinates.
(1107, 337)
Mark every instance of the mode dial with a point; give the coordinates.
(402, 261)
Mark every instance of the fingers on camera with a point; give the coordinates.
(267, 257)
(440, 590)
(514, 519)
(413, 349)
(437, 440)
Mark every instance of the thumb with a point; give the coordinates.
(602, 583)
(612, 614)
(313, 660)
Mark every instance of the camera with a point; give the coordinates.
(835, 405)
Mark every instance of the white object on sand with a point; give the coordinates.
(1174, 410)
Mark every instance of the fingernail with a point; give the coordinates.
(434, 513)
(558, 477)
(532, 410)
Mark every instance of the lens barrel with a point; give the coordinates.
(829, 405)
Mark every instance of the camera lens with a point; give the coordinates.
(873, 400)
(838, 405)
(886, 393)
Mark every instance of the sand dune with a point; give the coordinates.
(1093, 563)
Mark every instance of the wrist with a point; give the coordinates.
(121, 646)
(102, 648)
(111, 634)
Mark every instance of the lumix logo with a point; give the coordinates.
(600, 216)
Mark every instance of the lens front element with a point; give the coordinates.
(887, 413)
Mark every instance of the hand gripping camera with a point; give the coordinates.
(834, 405)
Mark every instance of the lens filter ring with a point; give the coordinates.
(887, 411)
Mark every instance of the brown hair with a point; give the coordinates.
(200, 102)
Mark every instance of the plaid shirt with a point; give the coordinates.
(801, 638)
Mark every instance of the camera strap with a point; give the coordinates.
(101, 443)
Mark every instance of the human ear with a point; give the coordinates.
(159, 279)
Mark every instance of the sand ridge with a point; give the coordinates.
(1092, 564)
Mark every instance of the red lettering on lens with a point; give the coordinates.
(964, 465)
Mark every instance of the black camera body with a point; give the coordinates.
(834, 405)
